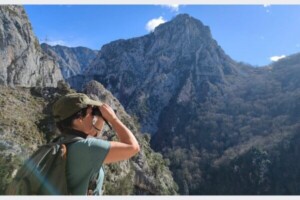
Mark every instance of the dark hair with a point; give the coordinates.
(67, 123)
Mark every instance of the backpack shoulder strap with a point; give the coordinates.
(66, 139)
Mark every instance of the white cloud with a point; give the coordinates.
(153, 23)
(267, 6)
(173, 7)
(276, 58)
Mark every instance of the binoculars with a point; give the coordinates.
(96, 112)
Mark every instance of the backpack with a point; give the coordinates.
(44, 173)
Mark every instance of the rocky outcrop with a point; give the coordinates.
(23, 62)
(147, 171)
(71, 60)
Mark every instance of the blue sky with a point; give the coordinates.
(248, 33)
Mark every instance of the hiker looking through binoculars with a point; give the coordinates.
(77, 115)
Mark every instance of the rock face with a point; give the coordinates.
(179, 62)
(23, 62)
(71, 60)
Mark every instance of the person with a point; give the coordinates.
(73, 114)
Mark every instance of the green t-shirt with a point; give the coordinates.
(85, 159)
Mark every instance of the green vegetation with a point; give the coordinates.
(116, 183)
(19, 132)
(233, 143)
(8, 164)
(24, 125)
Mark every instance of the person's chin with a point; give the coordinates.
(90, 132)
(93, 132)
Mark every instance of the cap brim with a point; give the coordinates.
(94, 103)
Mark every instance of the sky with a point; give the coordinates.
(253, 34)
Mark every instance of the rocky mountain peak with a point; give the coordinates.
(186, 26)
(23, 62)
(184, 34)
(179, 62)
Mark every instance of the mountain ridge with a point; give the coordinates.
(159, 66)
(71, 60)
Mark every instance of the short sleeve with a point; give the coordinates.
(98, 150)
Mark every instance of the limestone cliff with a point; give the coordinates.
(23, 62)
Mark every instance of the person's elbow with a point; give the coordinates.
(138, 148)
(135, 149)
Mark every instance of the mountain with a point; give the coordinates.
(222, 127)
(225, 127)
(251, 141)
(179, 60)
(71, 60)
(23, 63)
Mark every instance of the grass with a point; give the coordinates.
(19, 113)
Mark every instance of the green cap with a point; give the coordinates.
(69, 104)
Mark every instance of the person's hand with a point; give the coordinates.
(108, 113)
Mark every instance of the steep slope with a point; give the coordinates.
(23, 62)
(237, 143)
(262, 125)
(147, 170)
(71, 60)
(26, 123)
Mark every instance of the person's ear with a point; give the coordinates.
(80, 119)
(77, 121)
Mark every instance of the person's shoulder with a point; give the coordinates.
(92, 141)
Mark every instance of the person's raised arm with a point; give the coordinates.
(127, 146)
